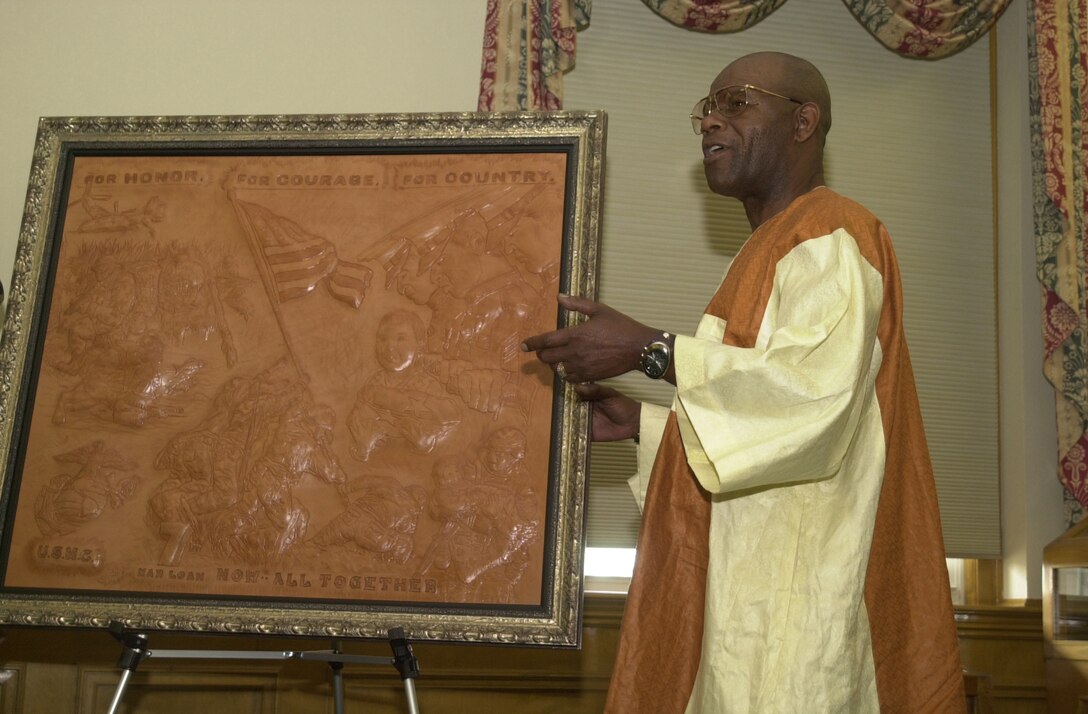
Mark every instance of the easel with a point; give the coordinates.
(135, 649)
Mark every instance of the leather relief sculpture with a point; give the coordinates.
(296, 374)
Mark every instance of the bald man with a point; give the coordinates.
(790, 557)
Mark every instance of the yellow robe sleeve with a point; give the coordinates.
(786, 409)
(650, 430)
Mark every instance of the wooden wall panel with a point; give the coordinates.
(1006, 645)
(75, 672)
(188, 690)
(10, 687)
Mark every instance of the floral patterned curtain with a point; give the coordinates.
(927, 28)
(1057, 41)
(528, 44)
(914, 28)
(714, 15)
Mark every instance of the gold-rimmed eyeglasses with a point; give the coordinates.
(729, 102)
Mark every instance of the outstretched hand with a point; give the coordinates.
(615, 415)
(607, 344)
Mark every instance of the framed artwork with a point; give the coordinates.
(263, 374)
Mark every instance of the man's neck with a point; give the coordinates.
(760, 209)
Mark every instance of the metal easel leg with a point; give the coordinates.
(134, 650)
(119, 692)
(407, 664)
(337, 667)
(410, 693)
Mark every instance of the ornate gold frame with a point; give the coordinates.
(553, 620)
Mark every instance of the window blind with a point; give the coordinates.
(911, 140)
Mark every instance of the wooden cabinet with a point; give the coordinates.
(1065, 620)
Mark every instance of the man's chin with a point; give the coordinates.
(720, 186)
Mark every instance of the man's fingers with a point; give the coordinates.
(560, 338)
(579, 304)
(556, 338)
(593, 392)
(589, 391)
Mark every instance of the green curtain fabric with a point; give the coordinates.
(1057, 39)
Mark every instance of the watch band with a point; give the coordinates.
(656, 357)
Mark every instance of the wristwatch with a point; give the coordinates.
(656, 357)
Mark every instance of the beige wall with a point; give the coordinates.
(280, 56)
(121, 57)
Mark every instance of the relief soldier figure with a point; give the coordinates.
(488, 519)
(402, 402)
(379, 521)
(231, 479)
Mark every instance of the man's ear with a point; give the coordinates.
(807, 119)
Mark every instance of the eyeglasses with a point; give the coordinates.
(729, 102)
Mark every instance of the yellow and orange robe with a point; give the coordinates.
(791, 557)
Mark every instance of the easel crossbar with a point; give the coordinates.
(318, 655)
(134, 649)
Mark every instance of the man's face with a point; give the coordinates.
(505, 451)
(456, 270)
(745, 155)
(528, 246)
(396, 346)
(452, 471)
(411, 284)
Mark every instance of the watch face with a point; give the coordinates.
(657, 361)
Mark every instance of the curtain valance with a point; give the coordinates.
(528, 44)
(914, 28)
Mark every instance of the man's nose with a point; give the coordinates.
(711, 121)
